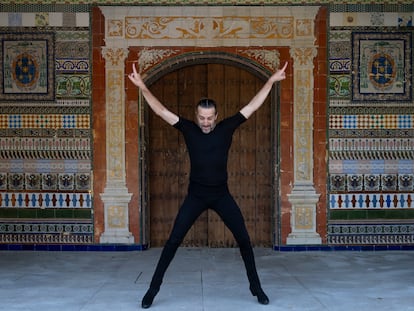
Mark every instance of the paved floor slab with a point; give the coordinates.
(202, 279)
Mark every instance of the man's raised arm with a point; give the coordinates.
(168, 116)
(260, 97)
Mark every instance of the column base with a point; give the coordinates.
(116, 237)
(116, 199)
(303, 239)
(303, 218)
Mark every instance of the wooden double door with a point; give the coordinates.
(250, 160)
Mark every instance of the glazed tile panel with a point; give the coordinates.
(371, 144)
(45, 155)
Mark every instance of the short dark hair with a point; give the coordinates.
(207, 103)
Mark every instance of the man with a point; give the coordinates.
(208, 145)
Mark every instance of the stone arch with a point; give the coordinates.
(203, 57)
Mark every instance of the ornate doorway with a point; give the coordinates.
(266, 37)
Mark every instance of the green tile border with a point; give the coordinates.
(371, 214)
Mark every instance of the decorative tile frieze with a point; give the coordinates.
(44, 145)
(39, 132)
(371, 148)
(45, 181)
(77, 106)
(371, 133)
(46, 232)
(371, 233)
(341, 183)
(400, 121)
(60, 238)
(72, 65)
(209, 28)
(381, 166)
(36, 227)
(45, 166)
(44, 121)
(376, 200)
(45, 200)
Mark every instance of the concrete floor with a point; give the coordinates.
(201, 279)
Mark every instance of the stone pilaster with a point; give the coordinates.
(115, 196)
(303, 197)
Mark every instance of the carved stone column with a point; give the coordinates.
(303, 197)
(115, 196)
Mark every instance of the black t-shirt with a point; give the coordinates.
(209, 152)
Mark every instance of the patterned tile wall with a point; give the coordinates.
(45, 167)
(371, 145)
(45, 154)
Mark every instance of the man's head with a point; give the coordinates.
(206, 115)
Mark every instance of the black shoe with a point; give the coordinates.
(261, 296)
(149, 298)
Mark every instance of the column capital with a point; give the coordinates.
(303, 56)
(114, 57)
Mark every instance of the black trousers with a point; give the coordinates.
(192, 207)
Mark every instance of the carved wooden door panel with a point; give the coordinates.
(249, 168)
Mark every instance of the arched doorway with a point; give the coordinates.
(251, 156)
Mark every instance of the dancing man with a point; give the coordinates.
(208, 143)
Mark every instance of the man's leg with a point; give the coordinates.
(190, 210)
(232, 217)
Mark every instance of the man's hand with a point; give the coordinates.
(279, 75)
(260, 97)
(136, 78)
(170, 117)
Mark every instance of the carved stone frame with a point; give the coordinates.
(290, 26)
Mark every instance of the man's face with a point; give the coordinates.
(206, 119)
